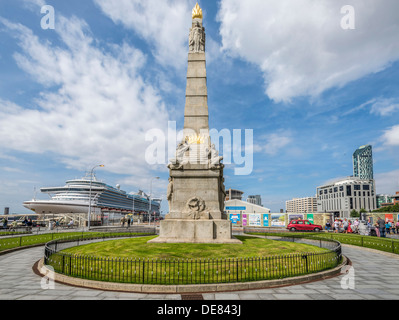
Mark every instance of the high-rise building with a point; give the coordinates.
(363, 163)
(256, 199)
(301, 205)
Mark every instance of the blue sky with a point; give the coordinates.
(88, 91)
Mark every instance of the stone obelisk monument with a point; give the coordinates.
(196, 190)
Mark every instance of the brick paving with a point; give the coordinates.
(375, 275)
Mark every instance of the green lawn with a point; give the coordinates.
(136, 261)
(139, 248)
(21, 241)
(383, 244)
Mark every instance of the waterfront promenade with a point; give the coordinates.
(375, 275)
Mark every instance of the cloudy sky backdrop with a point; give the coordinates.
(88, 91)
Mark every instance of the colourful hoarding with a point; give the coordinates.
(254, 220)
(295, 217)
(235, 218)
(265, 220)
(389, 217)
(278, 220)
(244, 220)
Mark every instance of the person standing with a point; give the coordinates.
(345, 225)
(356, 226)
(388, 227)
(381, 227)
(349, 230)
(5, 222)
(328, 225)
(336, 226)
(397, 227)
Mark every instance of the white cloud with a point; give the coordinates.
(273, 143)
(301, 47)
(391, 136)
(385, 107)
(95, 106)
(387, 182)
(163, 24)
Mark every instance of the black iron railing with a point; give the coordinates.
(191, 271)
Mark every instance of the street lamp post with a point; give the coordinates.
(91, 180)
(149, 207)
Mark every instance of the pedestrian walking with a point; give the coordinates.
(128, 222)
(397, 227)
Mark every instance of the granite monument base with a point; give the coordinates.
(195, 231)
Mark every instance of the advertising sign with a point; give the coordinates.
(310, 218)
(244, 220)
(234, 218)
(389, 218)
(254, 220)
(265, 220)
(236, 208)
(295, 217)
(278, 220)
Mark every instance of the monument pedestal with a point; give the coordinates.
(195, 231)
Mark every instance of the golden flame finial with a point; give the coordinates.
(197, 12)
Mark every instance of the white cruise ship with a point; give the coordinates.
(73, 198)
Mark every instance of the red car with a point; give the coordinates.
(303, 225)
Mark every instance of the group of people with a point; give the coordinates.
(125, 220)
(13, 227)
(345, 225)
(383, 227)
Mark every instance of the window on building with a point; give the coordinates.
(356, 187)
(348, 190)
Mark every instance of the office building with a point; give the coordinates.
(232, 194)
(344, 195)
(255, 200)
(301, 205)
(384, 200)
(363, 163)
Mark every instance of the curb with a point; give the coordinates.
(42, 270)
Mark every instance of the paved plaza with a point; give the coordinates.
(375, 275)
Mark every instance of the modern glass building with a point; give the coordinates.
(363, 163)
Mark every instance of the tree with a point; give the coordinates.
(355, 214)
